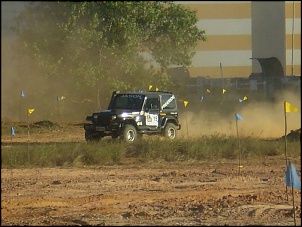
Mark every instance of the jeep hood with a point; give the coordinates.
(115, 111)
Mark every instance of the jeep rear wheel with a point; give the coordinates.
(170, 131)
(129, 134)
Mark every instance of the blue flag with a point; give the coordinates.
(201, 98)
(22, 94)
(12, 131)
(238, 117)
(291, 178)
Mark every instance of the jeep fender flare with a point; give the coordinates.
(128, 121)
(168, 120)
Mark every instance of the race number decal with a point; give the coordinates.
(152, 119)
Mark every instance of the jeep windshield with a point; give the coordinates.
(128, 102)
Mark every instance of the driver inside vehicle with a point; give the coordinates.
(152, 103)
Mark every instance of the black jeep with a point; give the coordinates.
(130, 115)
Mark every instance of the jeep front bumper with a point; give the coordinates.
(111, 128)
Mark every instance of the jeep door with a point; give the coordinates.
(151, 116)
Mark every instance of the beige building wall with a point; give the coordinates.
(293, 37)
(240, 30)
(228, 29)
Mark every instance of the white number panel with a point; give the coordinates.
(152, 119)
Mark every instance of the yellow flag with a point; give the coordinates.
(62, 97)
(150, 86)
(186, 103)
(290, 108)
(223, 91)
(244, 98)
(30, 111)
(156, 89)
(208, 91)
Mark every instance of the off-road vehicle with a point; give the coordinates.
(130, 115)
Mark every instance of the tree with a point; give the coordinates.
(107, 45)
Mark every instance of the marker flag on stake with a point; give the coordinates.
(223, 91)
(22, 94)
(186, 103)
(150, 86)
(244, 99)
(156, 89)
(291, 177)
(290, 108)
(238, 117)
(13, 131)
(208, 91)
(201, 98)
(60, 98)
(30, 111)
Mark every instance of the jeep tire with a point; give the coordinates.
(170, 131)
(129, 133)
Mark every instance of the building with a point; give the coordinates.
(239, 32)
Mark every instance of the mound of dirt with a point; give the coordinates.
(294, 135)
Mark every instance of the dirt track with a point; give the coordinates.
(149, 194)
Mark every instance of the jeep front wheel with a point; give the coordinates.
(170, 131)
(129, 134)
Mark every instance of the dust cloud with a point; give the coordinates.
(260, 119)
(41, 93)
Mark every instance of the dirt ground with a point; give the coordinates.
(151, 194)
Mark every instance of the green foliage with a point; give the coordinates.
(102, 46)
(157, 149)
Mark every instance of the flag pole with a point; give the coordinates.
(11, 137)
(239, 162)
(58, 99)
(285, 141)
(187, 124)
(20, 107)
(285, 133)
(293, 195)
(29, 112)
(27, 127)
(185, 104)
(10, 155)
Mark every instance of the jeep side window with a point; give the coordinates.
(152, 104)
(168, 102)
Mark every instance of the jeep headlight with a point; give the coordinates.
(113, 117)
(125, 115)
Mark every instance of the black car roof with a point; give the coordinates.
(148, 93)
